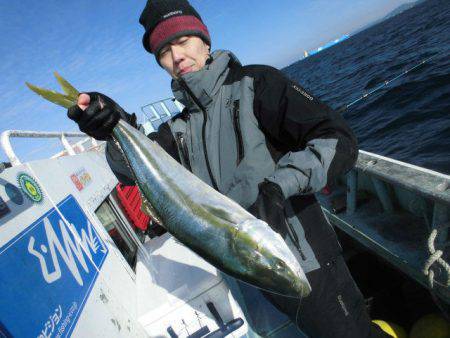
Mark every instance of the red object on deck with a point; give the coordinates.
(131, 202)
(326, 190)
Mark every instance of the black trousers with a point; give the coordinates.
(335, 307)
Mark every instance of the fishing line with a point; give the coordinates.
(298, 312)
(385, 83)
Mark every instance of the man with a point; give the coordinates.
(258, 138)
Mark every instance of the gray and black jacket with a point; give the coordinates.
(245, 124)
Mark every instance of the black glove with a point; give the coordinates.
(99, 119)
(269, 207)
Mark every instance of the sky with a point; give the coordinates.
(96, 45)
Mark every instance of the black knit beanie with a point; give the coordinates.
(165, 20)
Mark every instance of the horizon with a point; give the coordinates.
(104, 52)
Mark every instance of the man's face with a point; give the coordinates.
(184, 55)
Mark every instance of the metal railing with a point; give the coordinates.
(154, 113)
(160, 111)
(62, 136)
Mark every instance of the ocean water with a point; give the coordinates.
(409, 119)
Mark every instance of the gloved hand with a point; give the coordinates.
(97, 115)
(269, 207)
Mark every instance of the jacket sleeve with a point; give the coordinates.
(118, 164)
(315, 142)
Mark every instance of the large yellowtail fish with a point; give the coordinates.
(209, 223)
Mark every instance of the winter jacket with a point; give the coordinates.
(246, 124)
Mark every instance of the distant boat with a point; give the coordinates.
(327, 45)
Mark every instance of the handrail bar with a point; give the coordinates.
(8, 134)
(428, 183)
(159, 112)
(156, 102)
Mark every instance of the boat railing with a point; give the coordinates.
(158, 112)
(70, 149)
(385, 171)
(426, 182)
(384, 174)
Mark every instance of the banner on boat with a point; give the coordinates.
(48, 271)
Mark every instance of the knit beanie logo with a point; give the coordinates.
(168, 15)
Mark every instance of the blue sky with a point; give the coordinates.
(97, 47)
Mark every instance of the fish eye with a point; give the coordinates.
(280, 265)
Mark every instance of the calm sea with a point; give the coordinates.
(409, 119)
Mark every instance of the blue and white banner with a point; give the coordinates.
(48, 271)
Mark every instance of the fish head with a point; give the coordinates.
(286, 279)
(267, 262)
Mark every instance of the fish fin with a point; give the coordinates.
(52, 96)
(70, 90)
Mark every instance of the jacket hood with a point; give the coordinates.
(206, 82)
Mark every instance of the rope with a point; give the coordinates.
(435, 257)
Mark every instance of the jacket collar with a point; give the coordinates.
(205, 83)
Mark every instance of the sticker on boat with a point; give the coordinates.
(81, 179)
(30, 187)
(60, 254)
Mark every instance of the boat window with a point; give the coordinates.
(116, 228)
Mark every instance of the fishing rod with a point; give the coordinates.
(385, 83)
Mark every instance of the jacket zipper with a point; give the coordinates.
(183, 150)
(205, 150)
(294, 238)
(237, 132)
